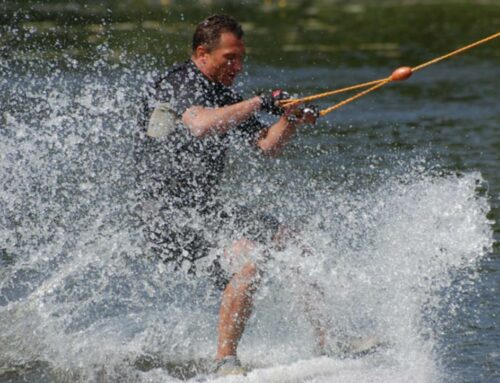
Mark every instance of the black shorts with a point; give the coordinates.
(185, 241)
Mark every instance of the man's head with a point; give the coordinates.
(218, 48)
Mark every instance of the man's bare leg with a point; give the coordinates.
(237, 303)
(312, 296)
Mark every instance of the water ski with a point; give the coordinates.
(354, 347)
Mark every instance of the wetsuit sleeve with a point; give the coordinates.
(181, 92)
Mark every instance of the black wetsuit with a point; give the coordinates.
(178, 175)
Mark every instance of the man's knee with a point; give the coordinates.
(239, 255)
(242, 247)
(249, 270)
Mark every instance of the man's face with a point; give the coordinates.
(224, 62)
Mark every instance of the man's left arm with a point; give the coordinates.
(273, 139)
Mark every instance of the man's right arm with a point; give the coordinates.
(202, 121)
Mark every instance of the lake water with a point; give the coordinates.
(398, 194)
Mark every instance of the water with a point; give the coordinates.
(398, 195)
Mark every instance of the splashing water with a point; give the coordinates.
(80, 301)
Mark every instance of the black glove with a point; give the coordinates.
(270, 102)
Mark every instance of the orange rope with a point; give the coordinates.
(378, 83)
(295, 101)
(455, 52)
(324, 112)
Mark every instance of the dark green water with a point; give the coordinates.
(71, 75)
(301, 33)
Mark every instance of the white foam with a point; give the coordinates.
(81, 298)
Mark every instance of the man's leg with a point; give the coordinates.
(310, 294)
(237, 302)
(312, 298)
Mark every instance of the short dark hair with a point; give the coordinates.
(208, 32)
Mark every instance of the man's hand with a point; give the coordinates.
(270, 102)
(302, 114)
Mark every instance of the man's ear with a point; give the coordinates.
(201, 52)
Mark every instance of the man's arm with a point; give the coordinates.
(277, 136)
(203, 121)
(272, 140)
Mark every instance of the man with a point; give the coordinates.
(185, 132)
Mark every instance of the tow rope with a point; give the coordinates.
(399, 74)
